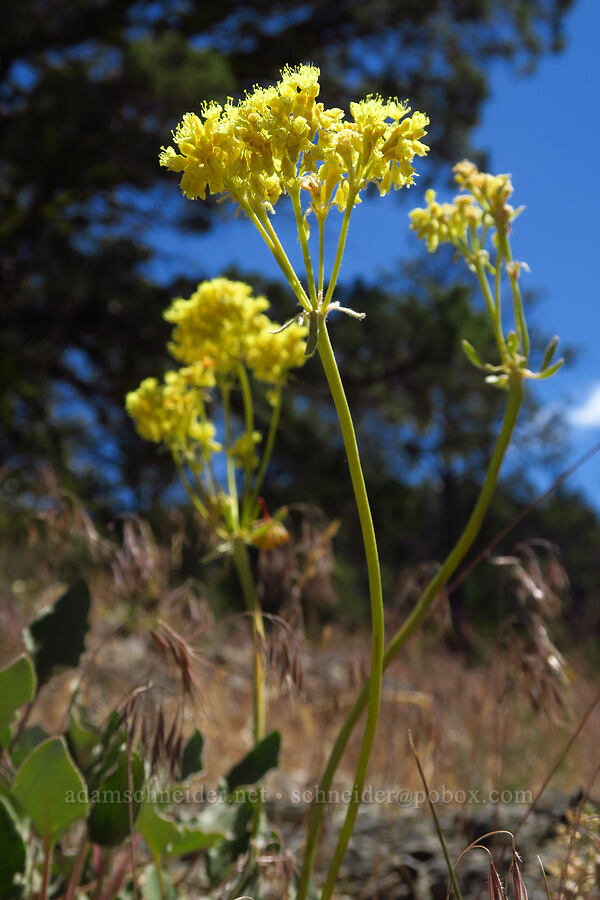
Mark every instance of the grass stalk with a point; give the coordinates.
(436, 822)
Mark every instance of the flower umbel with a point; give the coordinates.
(257, 149)
(277, 141)
(174, 412)
(223, 335)
(479, 213)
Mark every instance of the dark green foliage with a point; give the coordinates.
(13, 855)
(89, 93)
(118, 801)
(256, 763)
(101, 776)
(221, 859)
(49, 790)
(17, 687)
(29, 739)
(191, 756)
(57, 636)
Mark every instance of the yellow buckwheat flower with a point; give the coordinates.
(169, 412)
(377, 147)
(217, 323)
(483, 204)
(223, 324)
(244, 448)
(442, 223)
(270, 356)
(260, 148)
(490, 191)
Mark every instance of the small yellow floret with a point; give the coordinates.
(490, 191)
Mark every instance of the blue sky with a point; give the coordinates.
(544, 129)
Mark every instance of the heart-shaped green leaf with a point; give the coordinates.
(82, 737)
(167, 838)
(49, 789)
(30, 738)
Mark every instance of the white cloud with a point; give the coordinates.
(588, 414)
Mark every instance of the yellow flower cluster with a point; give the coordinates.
(244, 448)
(223, 322)
(218, 322)
(490, 191)
(277, 137)
(442, 223)
(377, 147)
(270, 356)
(221, 326)
(173, 411)
(483, 204)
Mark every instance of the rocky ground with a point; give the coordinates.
(395, 854)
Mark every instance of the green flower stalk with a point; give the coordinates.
(468, 222)
(477, 221)
(227, 343)
(280, 141)
(410, 625)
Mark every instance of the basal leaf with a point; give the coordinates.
(50, 790)
(256, 763)
(168, 838)
(30, 738)
(82, 737)
(109, 819)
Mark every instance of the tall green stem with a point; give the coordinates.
(300, 225)
(493, 312)
(242, 565)
(269, 444)
(452, 561)
(231, 483)
(283, 261)
(267, 232)
(339, 253)
(249, 424)
(195, 499)
(375, 592)
(520, 323)
(321, 220)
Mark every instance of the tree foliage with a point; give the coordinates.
(89, 91)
